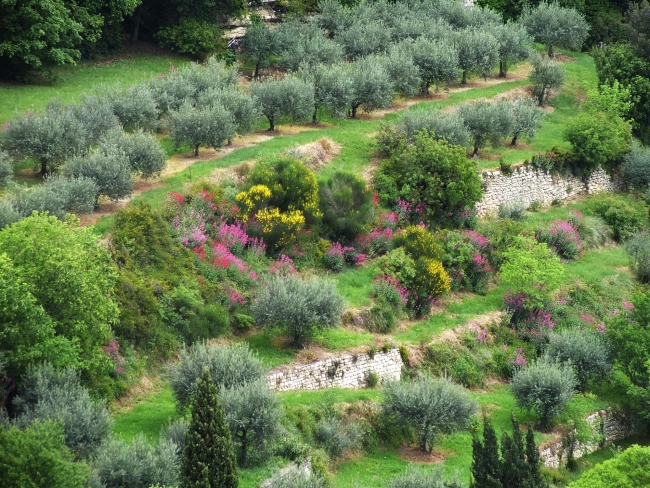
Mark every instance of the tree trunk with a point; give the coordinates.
(196, 151)
(314, 118)
(257, 70)
(43, 168)
(424, 89)
(475, 148)
(354, 111)
(464, 82)
(137, 20)
(230, 141)
(503, 69)
(244, 448)
(541, 96)
(271, 124)
(514, 140)
(550, 51)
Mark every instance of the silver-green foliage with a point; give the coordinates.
(554, 25)
(289, 97)
(333, 16)
(403, 72)
(364, 37)
(8, 214)
(431, 406)
(6, 169)
(438, 61)
(420, 478)
(373, 87)
(211, 126)
(638, 248)
(253, 415)
(258, 45)
(175, 432)
(636, 168)
(47, 393)
(514, 44)
(229, 366)
(547, 74)
(296, 477)
(334, 87)
(137, 464)
(135, 107)
(298, 305)
(142, 150)
(449, 126)
(545, 387)
(486, 121)
(311, 50)
(526, 118)
(336, 436)
(587, 352)
(478, 52)
(239, 104)
(95, 113)
(58, 196)
(172, 91)
(108, 168)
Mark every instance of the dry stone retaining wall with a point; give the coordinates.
(607, 427)
(528, 184)
(346, 371)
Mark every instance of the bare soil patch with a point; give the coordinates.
(414, 455)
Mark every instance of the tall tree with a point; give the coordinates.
(487, 467)
(478, 52)
(258, 44)
(208, 458)
(553, 25)
(534, 461)
(514, 457)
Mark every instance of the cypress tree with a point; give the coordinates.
(534, 461)
(486, 465)
(208, 458)
(514, 458)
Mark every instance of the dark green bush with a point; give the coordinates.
(336, 436)
(194, 37)
(442, 359)
(382, 318)
(638, 247)
(624, 214)
(346, 205)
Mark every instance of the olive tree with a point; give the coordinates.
(237, 102)
(478, 52)
(296, 477)
(587, 352)
(58, 196)
(636, 168)
(310, 51)
(95, 113)
(172, 91)
(333, 16)
(49, 137)
(449, 126)
(142, 150)
(364, 37)
(253, 415)
(109, 169)
(258, 45)
(135, 107)
(545, 387)
(547, 75)
(333, 88)
(211, 126)
(288, 97)
(50, 394)
(554, 25)
(431, 406)
(229, 366)
(526, 118)
(300, 306)
(437, 60)
(6, 169)
(373, 87)
(514, 43)
(486, 121)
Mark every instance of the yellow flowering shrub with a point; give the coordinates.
(418, 243)
(432, 277)
(279, 229)
(252, 201)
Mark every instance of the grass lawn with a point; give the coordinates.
(71, 81)
(147, 417)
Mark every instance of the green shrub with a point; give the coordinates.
(598, 139)
(49, 394)
(514, 211)
(58, 196)
(593, 231)
(587, 352)
(382, 319)
(624, 214)
(545, 387)
(420, 478)
(440, 125)
(638, 248)
(144, 153)
(297, 305)
(6, 169)
(8, 214)
(630, 468)
(418, 243)
(296, 477)
(372, 379)
(194, 37)
(390, 140)
(398, 264)
(431, 280)
(135, 107)
(229, 366)
(346, 205)
(431, 406)
(464, 261)
(110, 170)
(636, 169)
(441, 359)
(336, 436)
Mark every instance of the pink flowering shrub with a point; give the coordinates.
(112, 350)
(563, 237)
(283, 266)
(233, 236)
(532, 325)
(334, 259)
(389, 288)
(409, 212)
(189, 227)
(223, 258)
(464, 256)
(256, 246)
(519, 360)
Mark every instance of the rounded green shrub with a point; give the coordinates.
(346, 205)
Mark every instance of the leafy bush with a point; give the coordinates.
(95, 112)
(487, 121)
(293, 186)
(598, 139)
(431, 280)
(441, 359)
(547, 75)
(37, 456)
(514, 211)
(197, 38)
(229, 366)
(336, 436)
(465, 260)
(252, 412)
(211, 126)
(278, 229)
(137, 464)
(398, 265)
(334, 258)
(587, 352)
(624, 214)
(418, 243)
(109, 170)
(8, 214)
(629, 468)
(6, 169)
(58, 196)
(346, 205)
(143, 151)
(419, 478)
(373, 87)
(526, 118)
(431, 406)
(135, 107)
(371, 379)
(563, 237)
(289, 97)
(593, 232)
(175, 432)
(297, 305)
(382, 318)
(555, 25)
(638, 248)
(48, 394)
(636, 168)
(545, 387)
(296, 477)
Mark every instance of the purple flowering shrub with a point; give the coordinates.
(389, 289)
(465, 257)
(563, 237)
(531, 324)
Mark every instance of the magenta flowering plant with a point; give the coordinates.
(283, 266)
(189, 228)
(464, 256)
(233, 236)
(518, 360)
(223, 258)
(112, 350)
(563, 237)
(410, 212)
(256, 246)
(389, 288)
(335, 257)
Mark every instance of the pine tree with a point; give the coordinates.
(486, 465)
(534, 462)
(208, 458)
